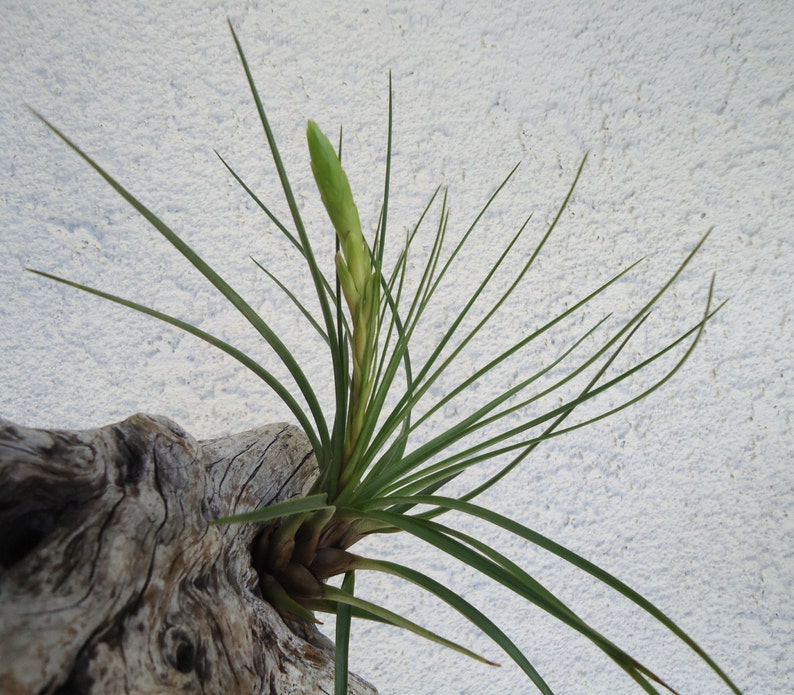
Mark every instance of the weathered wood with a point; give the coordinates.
(113, 581)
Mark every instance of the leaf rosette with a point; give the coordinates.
(374, 476)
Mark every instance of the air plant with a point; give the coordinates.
(378, 473)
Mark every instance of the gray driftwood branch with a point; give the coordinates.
(113, 581)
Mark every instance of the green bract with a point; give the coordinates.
(357, 274)
(338, 200)
(377, 465)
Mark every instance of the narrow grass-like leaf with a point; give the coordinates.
(326, 457)
(564, 553)
(338, 596)
(298, 505)
(275, 220)
(306, 313)
(423, 381)
(461, 315)
(444, 468)
(279, 389)
(421, 481)
(474, 422)
(282, 228)
(454, 434)
(506, 573)
(317, 276)
(342, 637)
(471, 613)
(454, 326)
(217, 281)
(552, 430)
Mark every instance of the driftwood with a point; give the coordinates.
(113, 581)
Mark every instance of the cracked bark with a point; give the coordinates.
(112, 579)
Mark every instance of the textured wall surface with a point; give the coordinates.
(687, 115)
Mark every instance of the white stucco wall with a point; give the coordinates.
(687, 114)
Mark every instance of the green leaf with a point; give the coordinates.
(218, 282)
(326, 456)
(307, 315)
(280, 390)
(342, 641)
(429, 282)
(463, 607)
(560, 551)
(500, 569)
(382, 480)
(338, 596)
(298, 505)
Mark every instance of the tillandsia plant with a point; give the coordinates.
(377, 472)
